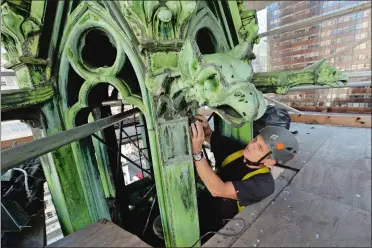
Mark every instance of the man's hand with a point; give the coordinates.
(207, 130)
(197, 138)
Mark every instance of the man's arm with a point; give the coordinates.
(214, 184)
(220, 146)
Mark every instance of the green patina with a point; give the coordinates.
(182, 199)
(74, 198)
(179, 190)
(64, 182)
(174, 82)
(37, 77)
(220, 81)
(37, 10)
(103, 161)
(161, 60)
(88, 17)
(23, 98)
(280, 82)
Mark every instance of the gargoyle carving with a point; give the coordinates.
(220, 81)
(319, 73)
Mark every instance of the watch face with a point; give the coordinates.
(197, 156)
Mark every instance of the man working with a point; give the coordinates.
(242, 176)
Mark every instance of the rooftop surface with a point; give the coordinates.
(324, 201)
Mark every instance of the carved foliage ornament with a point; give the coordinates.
(16, 28)
(158, 19)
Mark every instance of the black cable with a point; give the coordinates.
(223, 234)
(143, 198)
(148, 217)
(114, 151)
(119, 165)
(287, 167)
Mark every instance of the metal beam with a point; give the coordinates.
(315, 87)
(317, 19)
(282, 105)
(13, 156)
(358, 74)
(112, 103)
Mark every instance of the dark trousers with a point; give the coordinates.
(213, 210)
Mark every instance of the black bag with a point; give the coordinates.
(273, 117)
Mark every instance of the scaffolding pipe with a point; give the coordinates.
(358, 74)
(352, 45)
(14, 156)
(316, 87)
(112, 103)
(282, 105)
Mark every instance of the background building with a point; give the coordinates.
(299, 48)
(12, 131)
(307, 42)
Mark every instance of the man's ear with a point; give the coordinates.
(269, 162)
(189, 59)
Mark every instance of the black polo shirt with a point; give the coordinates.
(248, 191)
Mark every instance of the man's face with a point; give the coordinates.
(256, 149)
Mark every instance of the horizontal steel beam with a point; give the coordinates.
(358, 74)
(315, 87)
(317, 19)
(282, 105)
(112, 103)
(14, 156)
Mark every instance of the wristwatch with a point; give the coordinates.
(198, 156)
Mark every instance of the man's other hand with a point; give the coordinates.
(197, 137)
(206, 128)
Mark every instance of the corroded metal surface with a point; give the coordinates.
(165, 57)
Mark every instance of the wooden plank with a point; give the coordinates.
(311, 137)
(301, 219)
(21, 140)
(100, 234)
(250, 213)
(346, 147)
(14, 156)
(345, 184)
(300, 160)
(344, 120)
(324, 100)
(356, 110)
